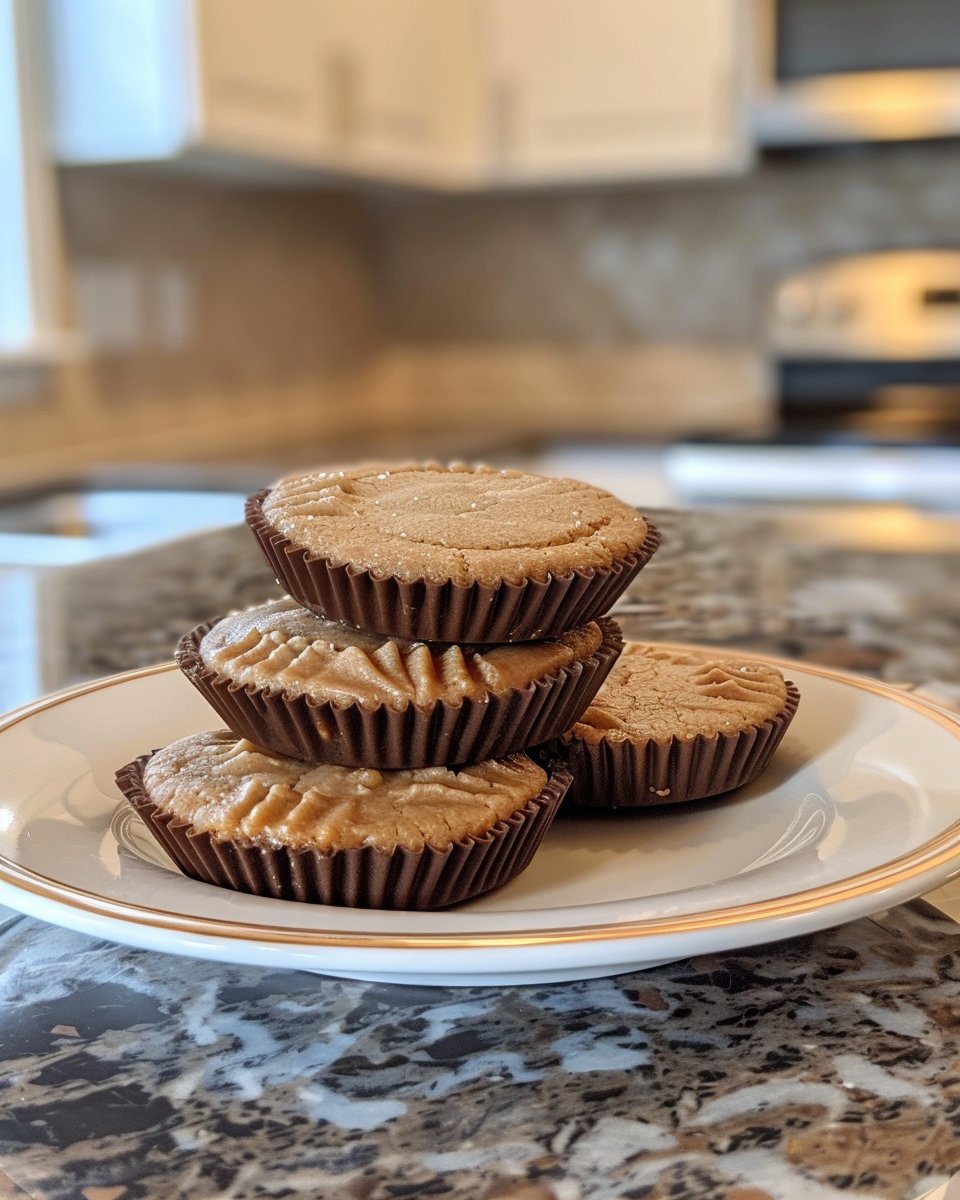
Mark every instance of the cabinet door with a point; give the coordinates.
(258, 77)
(403, 87)
(615, 88)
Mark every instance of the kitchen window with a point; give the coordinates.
(31, 324)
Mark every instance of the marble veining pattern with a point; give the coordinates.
(826, 1066)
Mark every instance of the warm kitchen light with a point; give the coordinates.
(896, 104)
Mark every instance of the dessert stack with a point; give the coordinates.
(441, 621)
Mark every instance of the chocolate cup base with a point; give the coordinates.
(630, 775)
(349, 735)
(356, 878)
(419, 610)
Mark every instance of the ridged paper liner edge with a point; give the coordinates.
(363, 877)
(421, 610)
(633, 774)
(443, 734)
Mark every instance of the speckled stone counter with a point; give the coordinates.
(824, 1066)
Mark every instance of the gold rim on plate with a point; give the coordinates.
(933, 854)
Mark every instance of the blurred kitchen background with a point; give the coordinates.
(704, 252)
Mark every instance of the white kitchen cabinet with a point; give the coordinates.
(628, 88)
(258, 77)
(201, 80)
(403, 82)
(484, 92)
(443, 93)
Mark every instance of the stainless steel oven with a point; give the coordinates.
(867, 346)
(864, 362)
(855, 70)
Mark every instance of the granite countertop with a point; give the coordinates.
(823, 1066)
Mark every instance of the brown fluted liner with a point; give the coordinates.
(419, 610)
(609, 774)
(356, 878)
(349, 735)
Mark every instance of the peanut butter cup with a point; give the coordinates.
(232, 815)
(450, 553)
(668, 726)
(302, 686)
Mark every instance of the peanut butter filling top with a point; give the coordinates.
(237, 791)
(460, 523)
(659, 694)
(283, 647)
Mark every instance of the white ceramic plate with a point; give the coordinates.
(858, 811)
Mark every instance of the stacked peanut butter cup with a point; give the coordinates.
(442, 621)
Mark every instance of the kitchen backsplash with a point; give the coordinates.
(226, 320)
(219, 320)
(692, 261)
